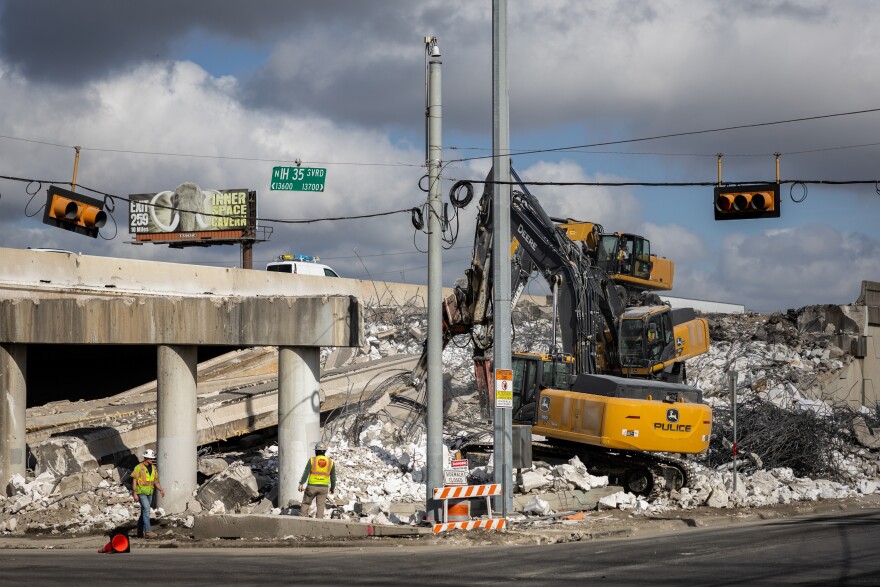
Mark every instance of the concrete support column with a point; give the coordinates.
(13, 405)
(299, 416)
(176, 424)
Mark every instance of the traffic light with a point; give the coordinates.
(73, 211)
(747, 201)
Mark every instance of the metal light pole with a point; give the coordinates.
(731, 381)
(503, 430)
(435, 284)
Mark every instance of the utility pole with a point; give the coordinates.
(435, 283)
(503, 431)
(75, 168)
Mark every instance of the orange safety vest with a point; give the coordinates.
(320, 470)
(145, 480)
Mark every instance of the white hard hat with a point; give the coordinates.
(149, 454)
(321, 446)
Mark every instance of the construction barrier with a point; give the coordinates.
(491, 524)
(119, 543)
(463, 492)
(458, 510)
(467, 491)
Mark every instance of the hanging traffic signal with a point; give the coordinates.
(747, 201)
(73, 211)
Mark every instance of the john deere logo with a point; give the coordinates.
(672, 415)
(545, 404)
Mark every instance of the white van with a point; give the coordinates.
(301, 264)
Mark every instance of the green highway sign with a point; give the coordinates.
(299, 179)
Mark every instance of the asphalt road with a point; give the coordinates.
(818, 550)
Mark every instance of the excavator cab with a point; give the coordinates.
(628, 260)
(654, 341)
(625, 255)
(646, 337)
(533, 373)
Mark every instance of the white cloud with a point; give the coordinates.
(675, 242)
(783, 269)
(615, 208)
(179, 108)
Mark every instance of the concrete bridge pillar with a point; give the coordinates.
(299, 416)
(13, 406)
(176, 424)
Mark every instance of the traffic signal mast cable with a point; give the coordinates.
(460, 184)
(111, 198)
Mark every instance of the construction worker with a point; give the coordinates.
(655, 345)
(622, 258)
(144, 478)
(320, 473)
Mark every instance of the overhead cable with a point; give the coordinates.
(673, 135)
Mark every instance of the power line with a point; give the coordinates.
(572, 149)
(309, 221)
(201, 156)
(387, 254)
(445, 262)
(670, 183)
(673, 135)
(711, 155)
(256, 159)
(11, 138)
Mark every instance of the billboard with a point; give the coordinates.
(189, 212)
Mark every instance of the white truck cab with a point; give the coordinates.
(301, 264)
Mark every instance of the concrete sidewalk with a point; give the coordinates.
(270, 527)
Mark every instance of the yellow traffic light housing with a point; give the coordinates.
(747, 201)
(74, 212)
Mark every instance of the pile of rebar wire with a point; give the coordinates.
(808, 441)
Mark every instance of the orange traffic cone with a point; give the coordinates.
(119, 543)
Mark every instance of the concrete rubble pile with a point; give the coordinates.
(69, 492)
(782, 359)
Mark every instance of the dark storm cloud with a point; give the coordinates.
(370, 70)
(58, 41)
(62, 41)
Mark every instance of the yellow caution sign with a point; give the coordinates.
(503, 388)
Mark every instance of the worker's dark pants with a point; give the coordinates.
(144, 520)
(312, 492)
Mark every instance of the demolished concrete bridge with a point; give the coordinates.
(66, 299)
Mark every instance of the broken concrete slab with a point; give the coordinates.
(210, 466)
(63, 455)
(575, 473)
(78, 482)
(397, 508)
(274, 526)
(234, 488)
(339, 357)
(532, 480)
(617, 500)
(867, 437)
(576, 500)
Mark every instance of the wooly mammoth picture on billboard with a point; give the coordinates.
(186, 209)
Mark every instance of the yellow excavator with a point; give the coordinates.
(613, 392)
(626, 257)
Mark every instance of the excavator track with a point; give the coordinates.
(641, 473)
(647, 474)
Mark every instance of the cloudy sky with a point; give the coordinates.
(219, 92)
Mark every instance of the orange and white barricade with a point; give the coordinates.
(468, 492)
